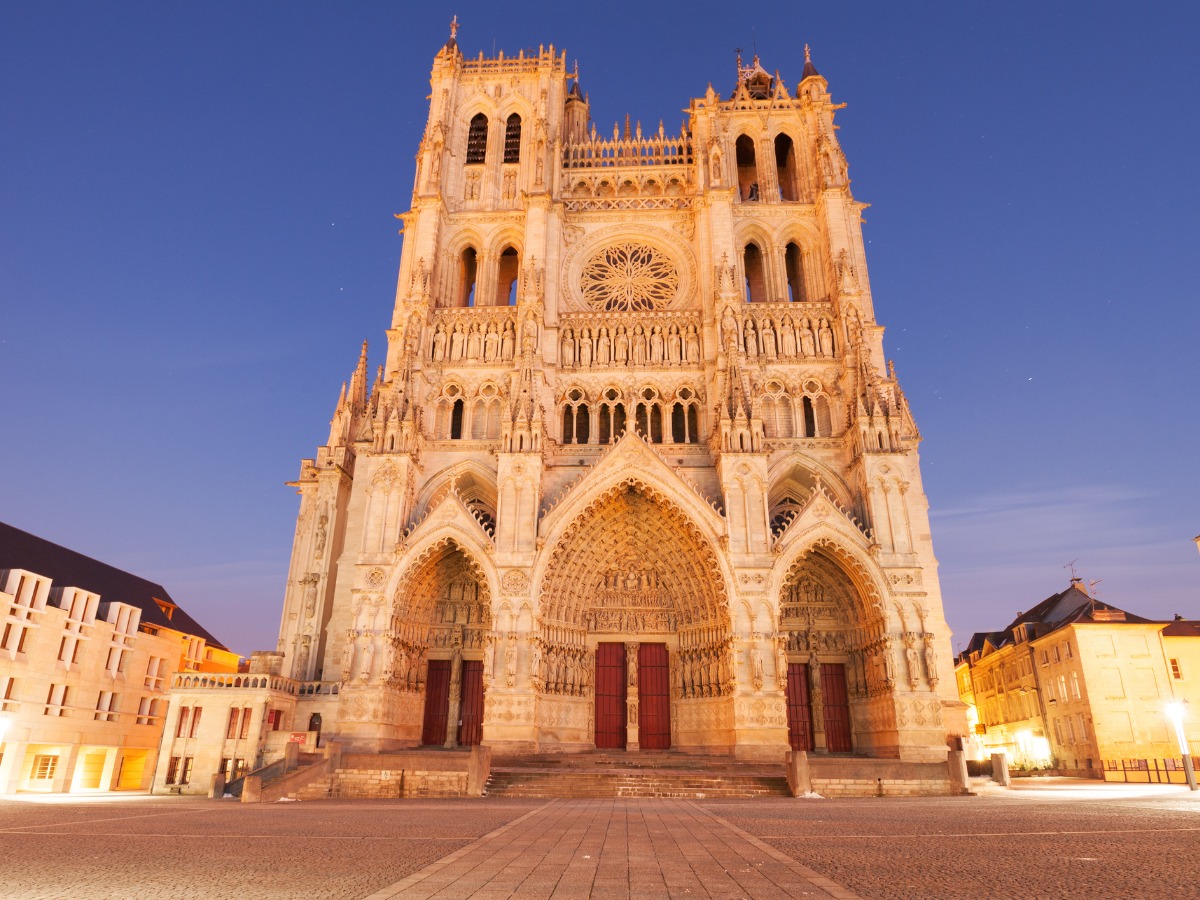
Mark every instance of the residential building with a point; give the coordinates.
(87, 652)
(1080, 685)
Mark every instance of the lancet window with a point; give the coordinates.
(777, 412)
(612, 417)
(468, 277)
(785, 168)
(512, 139)
(793, 263)
(451, 409)
(685, 418)
(648, 417)
(576, 418)
(756, 280)
(485, 414)
(818, 421)
(506, 283)
(747, 169)
(477, 139)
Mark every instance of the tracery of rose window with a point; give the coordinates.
(629, 277)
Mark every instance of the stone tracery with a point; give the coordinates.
(629, 277)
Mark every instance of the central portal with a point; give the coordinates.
(633, 689)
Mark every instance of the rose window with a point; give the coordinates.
(629, 277)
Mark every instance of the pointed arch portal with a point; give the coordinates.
(438, 635)
(634, 619)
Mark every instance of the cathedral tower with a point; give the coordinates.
(635, 472)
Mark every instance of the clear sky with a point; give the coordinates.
(196, 234)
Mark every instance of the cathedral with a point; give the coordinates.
(635, 473)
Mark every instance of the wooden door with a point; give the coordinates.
(470, 716)
(654, 697)
(610, 695)
(437, 702)
(799, 709)
(837, 708)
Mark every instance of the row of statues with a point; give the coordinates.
(643, 345)
(703, 672)
(479, 342)
(799, 338)
(566, 671)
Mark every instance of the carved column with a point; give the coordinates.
(817, 701)
(455, 699)
(631, 695)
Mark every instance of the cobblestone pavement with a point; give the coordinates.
(1052, 838)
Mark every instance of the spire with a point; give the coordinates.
(358, 383)
(810, 71)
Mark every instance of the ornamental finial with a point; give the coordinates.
(454, 27)
(807, 54)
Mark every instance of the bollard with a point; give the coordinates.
(252, 789)
(1000, 769)
(956, 764)
(799, 777)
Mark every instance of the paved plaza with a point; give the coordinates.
(1045, 838)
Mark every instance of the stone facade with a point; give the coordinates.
(635, 471)
(1082, 686)
(87, 654)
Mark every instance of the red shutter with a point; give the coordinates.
(837, 708)
(610, 695)
(470, 727)
(799, 712)
(437, 702)
(654, 697)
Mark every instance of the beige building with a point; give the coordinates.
(1081, 685)
(635, 472)
(86, 655)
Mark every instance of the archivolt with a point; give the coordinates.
(420, 588)
(633, 525)
(829, 565)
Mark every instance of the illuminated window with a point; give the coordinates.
(43, 767)
(1075, 686)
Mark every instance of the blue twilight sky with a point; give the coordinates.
(196, 233)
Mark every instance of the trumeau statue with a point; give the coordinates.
(621, 372)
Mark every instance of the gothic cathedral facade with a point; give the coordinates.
(635, 473)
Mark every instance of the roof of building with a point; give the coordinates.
(1182, 628)
(66, 568)
(1069, 607)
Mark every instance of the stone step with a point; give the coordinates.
(597, 784)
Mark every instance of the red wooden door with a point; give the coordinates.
(799, 711)
(837, 708)
(437, 702)
(610, 695)
(470, 716)
(654, 697)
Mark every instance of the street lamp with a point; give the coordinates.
(1175, 712)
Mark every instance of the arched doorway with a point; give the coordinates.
(835, 648)
(440, 625)
(635, 631)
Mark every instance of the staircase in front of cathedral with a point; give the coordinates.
(643, 774)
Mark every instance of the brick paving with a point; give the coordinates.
(1049, 839)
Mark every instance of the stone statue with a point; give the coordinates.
(348, 659)
(756, 667)
(365, 663)
(692, 345)
(807, 343)
(825, 334)
(931, 671)
(507, 340)
(439, 344)
(510, 664)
